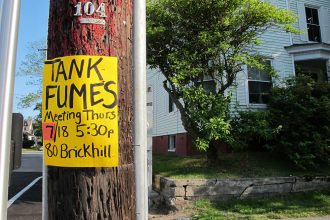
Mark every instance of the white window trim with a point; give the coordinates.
(324, 20)
(174, 111)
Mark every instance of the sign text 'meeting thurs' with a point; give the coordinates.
(80, 111)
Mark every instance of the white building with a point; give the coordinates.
(308, 52)
(28, 129)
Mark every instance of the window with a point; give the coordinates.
(313, 24)
(171, 143)
(170, 104)
(209, 86)
(149, 96)
(259, 82)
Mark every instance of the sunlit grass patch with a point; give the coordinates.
(308, 204)
(233, 165)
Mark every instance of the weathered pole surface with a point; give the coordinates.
(95, 193)
(9, 19)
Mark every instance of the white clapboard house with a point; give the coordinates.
(309, 52)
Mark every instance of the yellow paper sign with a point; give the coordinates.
(80, 111)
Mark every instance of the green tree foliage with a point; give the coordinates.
(252, 130)
(191, 41)
(32, 67)
(26, 142)
(38, 121)
(302, 109)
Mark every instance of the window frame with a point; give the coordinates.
(170, 147)
(171, 105)
(208, 82)
(262, 105)
(317, 9)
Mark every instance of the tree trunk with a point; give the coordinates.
(212, 154)
(95, 193)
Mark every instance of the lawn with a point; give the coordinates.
(242, 165)
(291, 206)
(24, 150)
(233, 165)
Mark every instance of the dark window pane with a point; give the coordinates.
(209, 86)
(170, 104)
(265, 98)
(260, 74)
(253, 73)
(265, 86)
(253, 87)
(265, 76)
(312, 16)
(314, 33)
(259, 92)
(259, 84)
(254, 98)
(313, 24)
(309, 18)
(258, 98)
(315, 16)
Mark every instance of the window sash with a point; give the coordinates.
(259, 74)
(259, 85)
(313, 24)
(170, 104)
(312, 16)
(314, 32)
(259, 92)
(171, 142)
(209, 86)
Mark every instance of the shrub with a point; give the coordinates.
(302, 109)
(26, 142)
(251, 130)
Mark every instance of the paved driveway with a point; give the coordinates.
(25, 190)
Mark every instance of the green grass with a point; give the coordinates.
(30, 150)
(234, 165)
(309, 204)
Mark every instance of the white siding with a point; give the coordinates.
(323, 6)
(302, 21)
(325, 24)
(164, 122)
(272, 47)
(240, 94)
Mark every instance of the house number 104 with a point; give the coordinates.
(89, 9)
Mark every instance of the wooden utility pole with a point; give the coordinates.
(95, 193)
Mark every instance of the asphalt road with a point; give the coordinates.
(31, 162)
(26, 205)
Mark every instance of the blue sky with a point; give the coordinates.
(32, 27)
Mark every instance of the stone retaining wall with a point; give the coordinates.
(175, 192)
